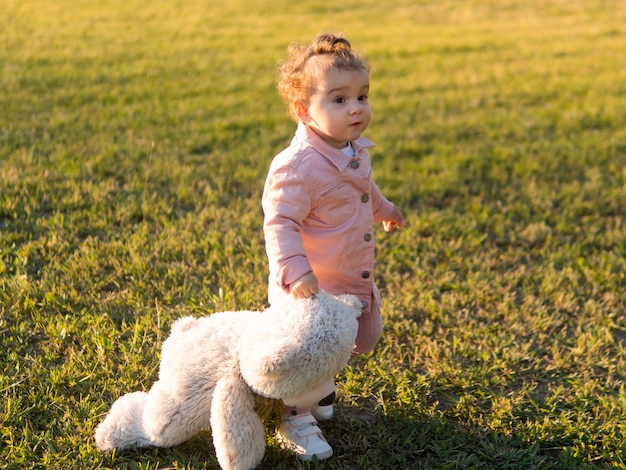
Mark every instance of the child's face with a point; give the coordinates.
(339, 110)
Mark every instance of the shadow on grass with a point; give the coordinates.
(364, 439)
(375, 440)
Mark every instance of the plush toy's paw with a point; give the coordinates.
(238, 433)
(122, 427)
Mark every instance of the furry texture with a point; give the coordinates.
(212, 367)
(315, 335)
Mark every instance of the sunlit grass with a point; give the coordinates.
(134, 142)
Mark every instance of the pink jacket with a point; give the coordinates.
(320, 207)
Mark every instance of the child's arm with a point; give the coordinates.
(385, 211)
(396, 219)
(286, 203)
(304, 287)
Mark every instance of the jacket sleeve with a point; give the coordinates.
(286, 203)
(381, 207)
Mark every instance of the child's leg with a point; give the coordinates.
(298, 429)
(311, 398)
(370, 329)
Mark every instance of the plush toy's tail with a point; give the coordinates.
(122, 427)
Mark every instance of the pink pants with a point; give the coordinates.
(370, 329)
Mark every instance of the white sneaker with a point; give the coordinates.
(323, 412)
(301, 435)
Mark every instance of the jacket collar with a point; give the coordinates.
(331, 153)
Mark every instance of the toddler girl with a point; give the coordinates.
(320, 203)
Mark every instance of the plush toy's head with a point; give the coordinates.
(296, 345)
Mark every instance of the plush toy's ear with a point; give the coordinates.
(238, 433)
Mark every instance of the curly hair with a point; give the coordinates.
(299, 71)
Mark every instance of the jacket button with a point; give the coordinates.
(367, 237)
(365, 274)
(363, 304)
(354, 164)
(365, 198)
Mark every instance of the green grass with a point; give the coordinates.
(134, 141)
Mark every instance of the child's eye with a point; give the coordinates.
(339, 99)
(363, 98)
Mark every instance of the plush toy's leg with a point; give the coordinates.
(170, 418)
(123, 426)
(238, 433)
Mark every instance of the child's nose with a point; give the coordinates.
(356, 109)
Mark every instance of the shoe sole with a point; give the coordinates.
(284, 443)
(323, 456)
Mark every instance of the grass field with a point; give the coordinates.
(134, 142)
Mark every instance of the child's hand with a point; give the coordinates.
(304, 287)
(396, 219)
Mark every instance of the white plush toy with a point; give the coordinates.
(212, 368)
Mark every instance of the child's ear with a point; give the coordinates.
(301, 110)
